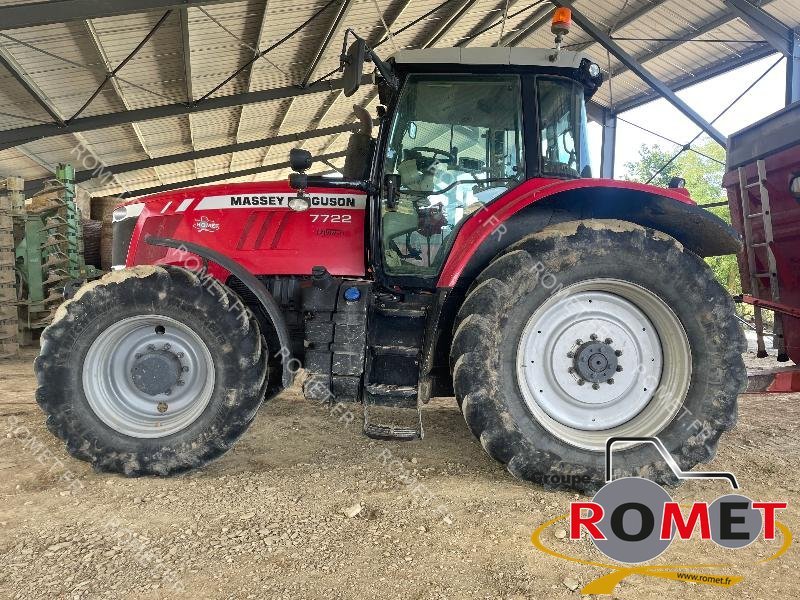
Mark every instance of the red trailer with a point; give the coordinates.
(763, 184)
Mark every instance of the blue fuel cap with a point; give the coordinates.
(352, 294)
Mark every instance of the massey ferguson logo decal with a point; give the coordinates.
(205, 225)
(632, 520)
(334, 201)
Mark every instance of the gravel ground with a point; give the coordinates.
(304, 506)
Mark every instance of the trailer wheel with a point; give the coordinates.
(151, 371)
(594, 329)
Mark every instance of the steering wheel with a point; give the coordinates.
(435, 151)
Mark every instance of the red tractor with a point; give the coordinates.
(466, 250)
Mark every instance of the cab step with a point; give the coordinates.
(379, 430)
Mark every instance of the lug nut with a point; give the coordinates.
(179, 355)
(181, 382)
(618, 352)
(137, 355)
(570, 354)
(593, 337)
(609, 341)
(167, 346)
(168, 392)
(151, 347)
(162, 407)
(579, 341)
(595, 386)
(571, 370)
(610, 381)
(185, 369)
(619, 368)
(581, 381)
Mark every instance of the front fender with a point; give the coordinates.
(535, 204)
(253, 284)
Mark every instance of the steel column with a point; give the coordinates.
(607, 155)
(793, 71)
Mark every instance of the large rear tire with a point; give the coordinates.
(151, 371)
(595, 329)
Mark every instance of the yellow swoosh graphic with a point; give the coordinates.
(605, 584)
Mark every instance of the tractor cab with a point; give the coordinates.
(458, 129)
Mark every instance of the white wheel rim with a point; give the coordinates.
(627, 347)
(111, 389)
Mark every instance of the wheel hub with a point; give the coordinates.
(148, 376)
(602, 358)
(595, 362)
(156, 372)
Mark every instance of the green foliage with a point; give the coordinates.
(703, 180)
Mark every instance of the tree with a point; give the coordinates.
(703, 177)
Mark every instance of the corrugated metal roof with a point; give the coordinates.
(67, 62)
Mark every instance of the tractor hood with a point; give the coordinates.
(250, 223)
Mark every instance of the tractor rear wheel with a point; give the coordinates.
(594, 329)
(151, 371)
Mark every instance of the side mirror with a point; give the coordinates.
(353, 66)
(391, 184)
(300, 160)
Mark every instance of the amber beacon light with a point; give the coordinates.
(562, 21)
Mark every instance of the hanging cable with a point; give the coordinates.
(670, 140)
(502, 25)
(385, 25)
(269, 49)
(111, 74)
(727, 108)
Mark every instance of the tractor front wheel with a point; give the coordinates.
(590, 330)
(151, 371)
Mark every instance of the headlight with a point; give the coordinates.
(794, 186)
(594, 70)
(127, 211)
(298, 203)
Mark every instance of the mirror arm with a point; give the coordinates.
(330, 182)
(384, 69)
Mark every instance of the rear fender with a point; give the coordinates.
(524, 211)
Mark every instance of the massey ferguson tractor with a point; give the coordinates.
(465, 250)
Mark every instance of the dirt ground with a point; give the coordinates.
(437, 519)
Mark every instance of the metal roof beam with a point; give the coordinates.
(186, 52)
(655, 83)
(624, 21)
(34, 91)
(686, 81)
(34, 14)
(723, 18)
(13, 137)
(528, 27)
(98, 45)
(448, 23)
(330, 35)
(160, 161)
(221, 177)
(779, 36)
(250, 72)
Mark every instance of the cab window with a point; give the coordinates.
(562, 131)
(456, 144)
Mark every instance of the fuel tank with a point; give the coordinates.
(252, 224)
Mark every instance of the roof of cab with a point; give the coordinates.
(491, 56)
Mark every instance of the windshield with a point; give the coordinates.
(456, 144)
(562, 128)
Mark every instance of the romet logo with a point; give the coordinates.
(633, 520)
